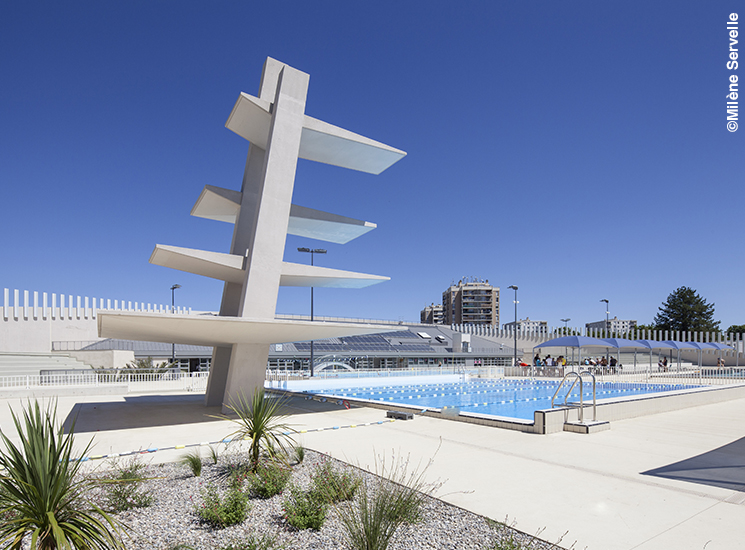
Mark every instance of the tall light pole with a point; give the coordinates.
(607, 327)
(173, 309)
(312, 251)
(514, 287)
(566, 333)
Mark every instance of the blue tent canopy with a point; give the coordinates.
(624, 343)
(574, 342)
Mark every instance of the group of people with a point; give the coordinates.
(549, 361)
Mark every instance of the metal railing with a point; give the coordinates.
(167, 381)
(282, 375)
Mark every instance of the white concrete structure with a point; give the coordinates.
(280, 132)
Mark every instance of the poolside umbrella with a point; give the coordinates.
(578, 342)
(653, 344)
(619, 343)
(678, 346)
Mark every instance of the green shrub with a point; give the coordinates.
(334, 485)
(220, 512)
(269, 479)
(123, 487)
(305, 509)
(253, 542)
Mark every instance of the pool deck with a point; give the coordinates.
(623, 489)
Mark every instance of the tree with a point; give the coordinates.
(735, 329)
(685, 310)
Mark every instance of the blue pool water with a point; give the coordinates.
(508, 398)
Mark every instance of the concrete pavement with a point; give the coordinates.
(664, 481)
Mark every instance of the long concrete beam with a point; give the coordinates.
(217, 203)
(214, 330)
(231, 268)
(320, 141)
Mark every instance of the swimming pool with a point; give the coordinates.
(511, 398)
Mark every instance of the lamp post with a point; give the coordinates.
(312, 251)
(566, 333)
(607, 327)
(173, 309)
(514, 287)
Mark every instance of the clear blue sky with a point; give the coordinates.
(575, 149)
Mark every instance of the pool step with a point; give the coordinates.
(589, 427)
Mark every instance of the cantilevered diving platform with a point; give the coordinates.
(263, 215)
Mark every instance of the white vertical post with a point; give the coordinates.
(36, 305)
(116, 304)
(85, 311)
(6, 299)
(44, 312)
(129, 306)
(69, 306)
(108, 303)
(54, 305)
(77, 308)
(16, 300)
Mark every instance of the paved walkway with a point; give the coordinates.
(669, 481)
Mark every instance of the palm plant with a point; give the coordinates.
(261, 424)
(43, 493)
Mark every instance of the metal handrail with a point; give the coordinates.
(578, 376)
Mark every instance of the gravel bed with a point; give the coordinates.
(171, 520)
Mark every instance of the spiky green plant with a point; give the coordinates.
(384, 505)
(43, 493)
(261, 424)
(193, 461)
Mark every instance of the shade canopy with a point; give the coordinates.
(574, 342)
(623, 343)
(654, 344)
(679, 345)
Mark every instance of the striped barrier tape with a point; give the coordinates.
(226, 440)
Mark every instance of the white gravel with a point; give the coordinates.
(171, 520)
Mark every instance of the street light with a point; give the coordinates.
(173, 309)
(312, 251)
(566, 333)
(607, 327)
(514, 287)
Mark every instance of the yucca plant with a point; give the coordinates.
(43, 493)
(261, 424)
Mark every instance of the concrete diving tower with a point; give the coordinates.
(279, 133)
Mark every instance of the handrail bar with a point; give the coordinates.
(578, 376)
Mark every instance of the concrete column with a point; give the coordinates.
(36, 305)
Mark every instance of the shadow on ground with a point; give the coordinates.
(722, 467)
(146, 411)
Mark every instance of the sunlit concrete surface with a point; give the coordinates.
(619, 489)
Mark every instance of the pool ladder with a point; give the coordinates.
(581, 405)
